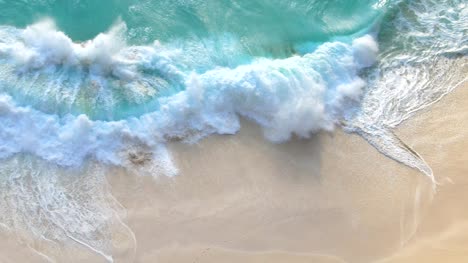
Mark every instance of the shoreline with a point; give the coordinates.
(332, 198)
(340, 185)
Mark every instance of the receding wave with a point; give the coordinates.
(423, 58)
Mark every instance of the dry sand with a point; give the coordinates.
(332, 198)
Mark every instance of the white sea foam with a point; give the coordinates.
(299, 95)
(409, 79)
(64, 209)
(43, 46)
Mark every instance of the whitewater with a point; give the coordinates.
(119, 94)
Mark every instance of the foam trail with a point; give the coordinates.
(59, 207)
(406, 80)
(386, 142)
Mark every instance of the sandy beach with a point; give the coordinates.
(332, 198)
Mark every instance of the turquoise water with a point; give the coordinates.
(210, 34)
(269, 24)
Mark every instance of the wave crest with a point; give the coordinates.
(298, 95)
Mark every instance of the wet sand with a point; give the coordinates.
(332, 198)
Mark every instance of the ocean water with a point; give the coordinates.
(113, 81)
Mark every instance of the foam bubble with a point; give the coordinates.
(365, 50)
